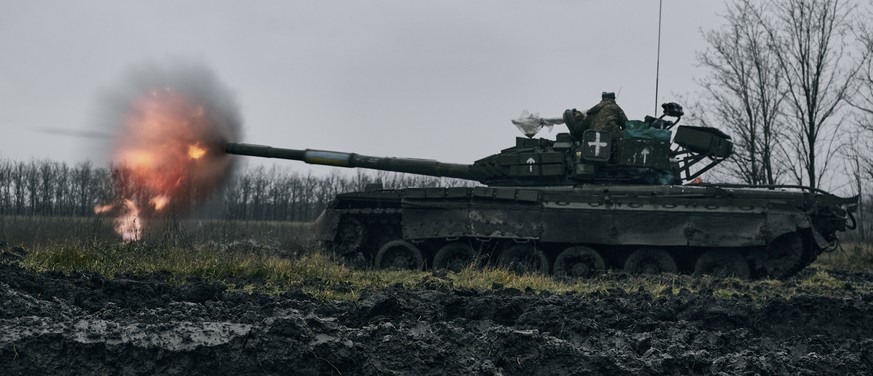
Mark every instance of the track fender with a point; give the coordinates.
(779, 223)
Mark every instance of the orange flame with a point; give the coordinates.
(162, 159)
(100, 209)
(196, 151)
(159, 202)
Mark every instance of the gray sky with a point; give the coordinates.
(425, 79)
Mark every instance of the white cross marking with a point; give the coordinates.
(531, 162)
(645, 154)
(597, 144)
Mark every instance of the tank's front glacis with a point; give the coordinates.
(830, 214)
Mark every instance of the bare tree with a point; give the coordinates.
(810, 39)
(780, 75)
(18, 179)
(46, 187)
(82, 177)
(5, 186)
(743, 91)
(62, 189)
(862, 101)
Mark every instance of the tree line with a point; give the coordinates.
(51, 188)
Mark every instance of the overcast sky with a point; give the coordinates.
(425, 79)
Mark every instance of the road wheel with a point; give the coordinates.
(350, 235)
(784, 256)
(399, 254)
(579, 261)
(650, 261)
(524, 258)
(722, 264)
(454, 257)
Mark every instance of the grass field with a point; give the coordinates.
(273, 257)
(98, 232)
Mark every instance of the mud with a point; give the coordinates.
(142, 325)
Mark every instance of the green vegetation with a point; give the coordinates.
(253, 269)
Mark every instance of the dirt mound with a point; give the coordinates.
(134, 325)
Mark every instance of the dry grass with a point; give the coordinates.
(320, 276)
(849, 256)
(40, 232)
(277, 256)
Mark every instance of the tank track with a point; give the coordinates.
(380, 235)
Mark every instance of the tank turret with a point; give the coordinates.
(644, 155)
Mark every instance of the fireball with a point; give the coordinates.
(169, 155)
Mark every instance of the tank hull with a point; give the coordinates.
(614, 221)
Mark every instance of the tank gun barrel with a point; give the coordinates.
(340, 159)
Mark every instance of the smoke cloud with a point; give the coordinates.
(172, 123)
(194, 81)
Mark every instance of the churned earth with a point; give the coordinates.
(78, 324)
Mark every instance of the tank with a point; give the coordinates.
(574, 206)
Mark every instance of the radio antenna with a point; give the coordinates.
(658, 62)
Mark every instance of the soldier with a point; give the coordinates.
(605, 116)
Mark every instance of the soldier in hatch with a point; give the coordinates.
(605, 116)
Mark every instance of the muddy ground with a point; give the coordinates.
(133, 325)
